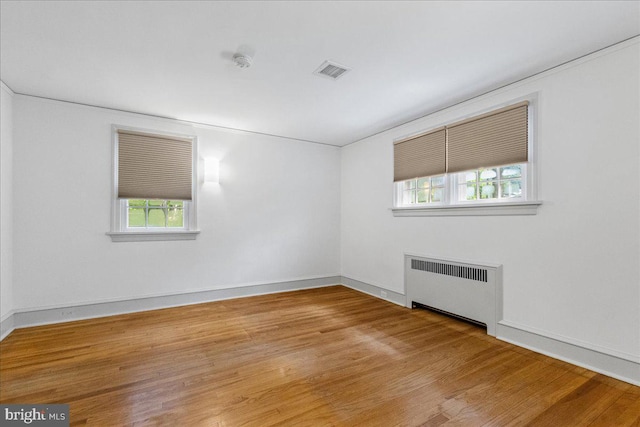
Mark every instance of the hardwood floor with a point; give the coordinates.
(328, 356)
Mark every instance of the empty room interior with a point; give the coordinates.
(370, 213)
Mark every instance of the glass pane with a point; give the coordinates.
(136, 202)
(407, 185)
(175, 204)
(488, 190)
(487, 174)
(156, 217)
(136, 217)
(467, 192)
(174, 217)
(510, 189)
(157, 202)
(423, 196)
(423, 182)
(437, 181)
(470, 176)
(514, 171)
(408, 197)
(436, 194)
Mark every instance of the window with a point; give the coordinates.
(480, 161)
(155, 214)
(496, 184)
(153, 186)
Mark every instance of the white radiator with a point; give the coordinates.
(467, 290)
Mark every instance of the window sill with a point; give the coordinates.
(480, 209)
(151, 236)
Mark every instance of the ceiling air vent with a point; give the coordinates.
(331, 70)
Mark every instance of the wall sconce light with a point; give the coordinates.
(212, 170)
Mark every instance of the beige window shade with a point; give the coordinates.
(493, 139)
(154, 166)
(422, 155)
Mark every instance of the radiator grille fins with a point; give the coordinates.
(471, 273)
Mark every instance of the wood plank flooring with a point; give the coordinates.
(321, 357)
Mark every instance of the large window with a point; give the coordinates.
(482, 160)
(153, 186)
(496, 184)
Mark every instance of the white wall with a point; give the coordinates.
(570, 272)
(6, 201)
(274, 217)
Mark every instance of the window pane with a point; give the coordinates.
(437, 181)
(423, 182)
(511, 189)
(467, 192)
(175, 204)
(487, 174)
(470, 176)
(514, 171)
(156, 217)
(136, 217)
(407, 185)
(488, 190)
(436, 194)
(157, 202)
(174, 218)
(408, 197)
(135, 202)
(423, 196)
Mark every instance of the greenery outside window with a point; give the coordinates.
(154, 186)
(492, 185)
(156, 214)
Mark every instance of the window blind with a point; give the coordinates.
(497, 138)
(154, 166)
(421, 155)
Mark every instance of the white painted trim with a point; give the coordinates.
(481, 209)
(6, 325)
(230, 286)
(606, 364)
(51, 315)
(375, 291)
(151, 236)
(578, 343)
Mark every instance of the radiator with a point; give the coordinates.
(467, 290)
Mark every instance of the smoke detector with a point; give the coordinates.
(242, 60)
(331, 69)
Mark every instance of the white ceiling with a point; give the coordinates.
(408, 59)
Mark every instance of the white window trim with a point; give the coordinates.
(528, 206)
(119, 231)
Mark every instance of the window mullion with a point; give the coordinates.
(146, 214)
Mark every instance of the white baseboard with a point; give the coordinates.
(603, 363)
(23, 319)
(6, 325)
(375, 291)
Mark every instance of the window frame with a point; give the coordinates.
(147, 208)
(451, 206)
(120, 232)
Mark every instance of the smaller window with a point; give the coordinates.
(154, 186)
